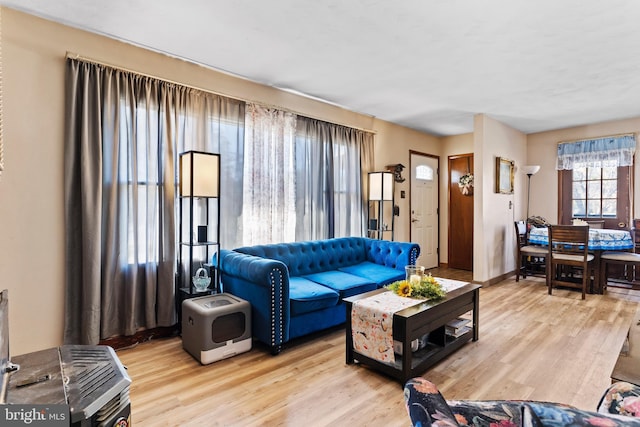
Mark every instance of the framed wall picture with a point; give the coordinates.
(504, 175)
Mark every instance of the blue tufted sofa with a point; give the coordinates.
(297, 288)
(618, 406)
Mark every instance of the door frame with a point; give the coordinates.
(437, 159)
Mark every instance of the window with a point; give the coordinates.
(595, 193)
(424, 173)
(139, 205)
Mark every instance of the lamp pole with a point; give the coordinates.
(529, 170)
(528, 193)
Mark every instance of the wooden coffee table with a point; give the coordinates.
(414, 322)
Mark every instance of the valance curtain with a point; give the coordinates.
(614, 151)
(123, 135)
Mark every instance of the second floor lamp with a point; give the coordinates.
(529, 170)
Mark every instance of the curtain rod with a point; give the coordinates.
(72, 55)
(598, 137)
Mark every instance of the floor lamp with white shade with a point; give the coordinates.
(529, 171)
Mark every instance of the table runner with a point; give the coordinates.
(449, 284)
(372, 324)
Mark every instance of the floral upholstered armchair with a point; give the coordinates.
(619, 406)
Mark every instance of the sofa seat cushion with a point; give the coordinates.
(344, 283)
(379, 274)
(307, 296)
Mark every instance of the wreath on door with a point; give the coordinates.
(466, 184)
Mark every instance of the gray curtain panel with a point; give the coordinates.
(123, 135)
(329, 182)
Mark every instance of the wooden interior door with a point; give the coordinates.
(460, 215)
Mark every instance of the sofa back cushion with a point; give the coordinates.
(391, 254)
(302, 258)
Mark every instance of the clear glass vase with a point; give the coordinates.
(414, 274)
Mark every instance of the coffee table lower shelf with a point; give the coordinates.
(412, 323)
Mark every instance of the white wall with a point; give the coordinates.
(494, 240)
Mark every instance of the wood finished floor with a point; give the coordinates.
(532, 346)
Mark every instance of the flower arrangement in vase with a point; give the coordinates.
(428, 288)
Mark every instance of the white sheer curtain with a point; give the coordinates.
(268, 197)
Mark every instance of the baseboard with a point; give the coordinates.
(497, 279)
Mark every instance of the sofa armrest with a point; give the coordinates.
(265, 284)
(425, 404)
(621, 398)
(252, 268)
(392, 254)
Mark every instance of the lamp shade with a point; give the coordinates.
(531, 169)
(380, 186)
(199, 174)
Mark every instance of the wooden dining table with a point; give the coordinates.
(600, 240)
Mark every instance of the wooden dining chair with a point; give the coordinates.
(569, 246)
(631, 262)
(526, 252)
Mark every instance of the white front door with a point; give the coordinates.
(424, 208)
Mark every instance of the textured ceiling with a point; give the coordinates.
(426, 64)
